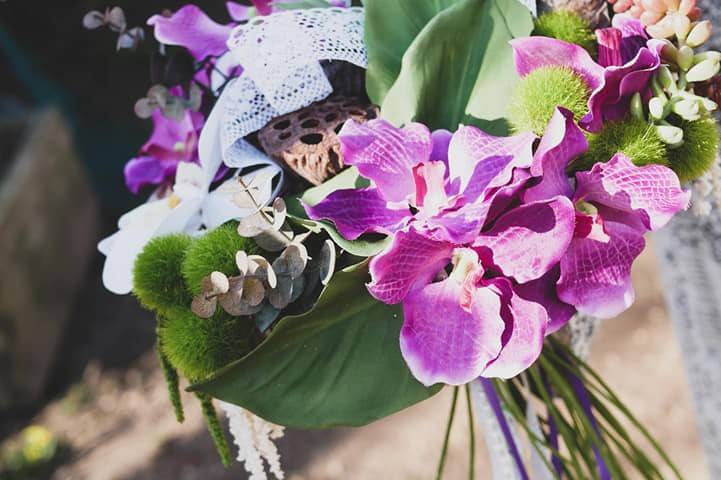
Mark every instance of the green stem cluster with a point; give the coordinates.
(609, 432)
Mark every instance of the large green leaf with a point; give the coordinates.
(460, 66)
(339, 364)
(390, 28)
(366, 246)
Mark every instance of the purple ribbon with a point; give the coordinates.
(582, 394)
(552, 435)
(495, 404)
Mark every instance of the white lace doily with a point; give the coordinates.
(281, 56)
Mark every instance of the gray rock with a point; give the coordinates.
(48, 228)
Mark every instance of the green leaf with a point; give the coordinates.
(366, 246)
(460, 65)
(390, 28)
(338, 364)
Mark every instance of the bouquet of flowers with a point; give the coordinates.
(357, 205)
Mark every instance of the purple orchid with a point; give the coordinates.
(620, 43)
(452, 201)
(172, 142)
(617, 203)
(191, 28)
(611, 84)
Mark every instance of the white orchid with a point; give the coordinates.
(190, 206)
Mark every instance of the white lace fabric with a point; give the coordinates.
(282, 73)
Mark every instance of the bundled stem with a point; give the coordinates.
(580, 409)
(444, 450)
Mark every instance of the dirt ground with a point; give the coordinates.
(117, 420)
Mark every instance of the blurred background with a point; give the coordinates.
(81, 392)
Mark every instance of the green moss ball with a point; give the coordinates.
(157, 278)
(698, 152)
(539, 93)
(567, 26)
(198, 347)
(215, 252)
(633, 137)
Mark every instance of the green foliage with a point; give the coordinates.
(216, 431)
(458, 66)
(215, 252)
(338, 364)
(157, 279)
(390, 28)
(198, 347)
(171, 380)
(698, 152)
(637, 139)
(567, 26)
(537, 95)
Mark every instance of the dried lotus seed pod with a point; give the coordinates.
(306, 141)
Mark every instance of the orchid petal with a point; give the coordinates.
(478, 160)
(430, 183)
(531, 53)
(543, 291)
(152, 220)
(409, 262)
(526, 324)
(620, 83)
(144, 170)
(528, 241)
(595, 276)
(444, 343)
(562, 142)
(356, 212)
(191, 28)
(651, 193)
(386, 154)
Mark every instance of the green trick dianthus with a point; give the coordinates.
(197, 347)
(567, 26)
(637, 139)
(698, 152)
(539, 93)
(157, 275)
(215, 252)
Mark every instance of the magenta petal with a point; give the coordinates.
(610, 101)
(651, 193)
(543, 291)
(531, 53)
(191, 28)
(526, 324)
(411, 261)
(528, 241)
(356, 212)
(238, 12)
(386, 154)
(444, 343)
(596, 276)
(478, 160)
(141, 171)
(562, 142)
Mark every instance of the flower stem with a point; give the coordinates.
(444, 451)
(472, 431)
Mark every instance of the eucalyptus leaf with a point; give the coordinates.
(338, 364)
(460, 66)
